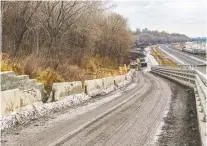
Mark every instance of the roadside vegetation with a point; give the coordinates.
(156, 37)
(55, 41)
(161, 58)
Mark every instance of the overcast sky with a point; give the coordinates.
(181, 16)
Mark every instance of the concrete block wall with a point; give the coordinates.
(119, 79)
(108, 82)
(94, 87)
(10, 100)
(129, 75)
(192, 79)
(64, 89)
(10, 81)
(90, 87)
(18, 91)
(99, 86)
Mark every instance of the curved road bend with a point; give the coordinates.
(133, 123)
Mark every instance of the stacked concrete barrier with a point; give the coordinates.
(118, 80)
(129, 75)
(94, 87)
(108, 82)
(18, 91)
(192, 79)
(10, 100)
(105, 85)
(64, 89)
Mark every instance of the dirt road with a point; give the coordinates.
(133, 123)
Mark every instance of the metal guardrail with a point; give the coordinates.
(202, 77)
(184, 76)
(188, 74)
(192, 76)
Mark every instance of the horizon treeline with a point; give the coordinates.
(156, 37)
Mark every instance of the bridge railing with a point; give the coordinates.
(194, 79)
(202, 77)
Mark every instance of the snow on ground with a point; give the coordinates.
(150, 59)
(32, 112)
(37, 110)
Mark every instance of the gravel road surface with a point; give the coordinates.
(133, 123)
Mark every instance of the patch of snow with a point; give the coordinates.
(150, 59)
(32, 112)
(131, 86)
(108, 90)
(162, 123)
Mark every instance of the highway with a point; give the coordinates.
(184, 58)
(131, 119)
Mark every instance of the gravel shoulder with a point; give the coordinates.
(180, 126)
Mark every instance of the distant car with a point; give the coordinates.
(143, 62)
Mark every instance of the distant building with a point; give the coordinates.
(144, 30)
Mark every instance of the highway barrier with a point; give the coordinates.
(93, 87)
(10, 100)
(119, 79)
(20, 91)
(108, 82)
(197, 82)
(63, 89)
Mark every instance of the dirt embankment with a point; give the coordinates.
(181, 125)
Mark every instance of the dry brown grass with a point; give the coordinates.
(162, 59)
(43, 70)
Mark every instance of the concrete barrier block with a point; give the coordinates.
(94, 87)
(108, 82)
(40, 86)
(10, 100)
(33, 82)
(6, 73)
(13, 82)
(119, 79)
(66, 88)
(129, 75)
(5, 79)
(31, 96)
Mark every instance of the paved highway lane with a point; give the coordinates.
(183, 57)
(135, 122)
